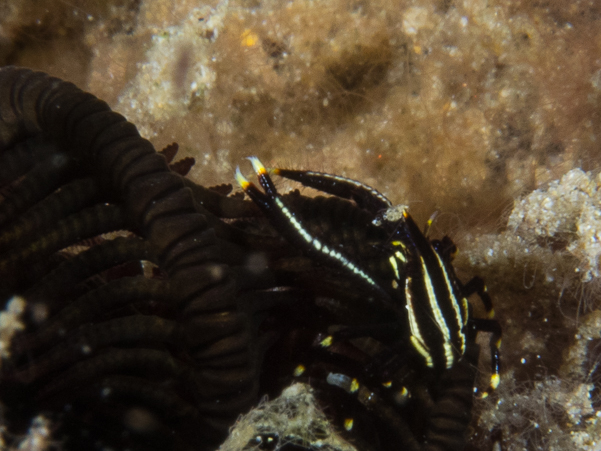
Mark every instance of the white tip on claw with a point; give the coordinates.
(257, 165)
(241, 179)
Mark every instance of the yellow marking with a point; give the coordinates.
(448, 352)
(348, 424)
(241, 179)
(257, 166)
(395, 284)
(422, 349)
(401, 256)
(387, 384)
(465, 310)
(491, 314)
(401, 396)
(416, 337)
(249, 38)
(495, 380)
(354, 386)
(429, 223)
(326, 342)
(461, 319)
(440, 321)
(395, 267)
(498, 343)
(433, 301)
(299, 370)
(427, 227)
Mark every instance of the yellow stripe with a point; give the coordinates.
(395, 267)
(326, 342)
(461, 320)
(438, 317)
(401, 257)
(299, 370)
(348, 424)
(421, 348)
(416, 337)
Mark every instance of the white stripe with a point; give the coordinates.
(438, 317)
(416, 336)
(369, 189)
(318, 246)
(461, 321)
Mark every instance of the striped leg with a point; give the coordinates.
(287, 223)
(444, 412)
(476, 285)
(365, 196)
(447, 249)
(492, 326)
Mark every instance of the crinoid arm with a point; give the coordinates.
(133, 335)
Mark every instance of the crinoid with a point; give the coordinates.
(153, 303)
(135, 335)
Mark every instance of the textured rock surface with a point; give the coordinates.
(292, 418)
(477, 109)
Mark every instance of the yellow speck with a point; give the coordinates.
(348, 424)
(354, 385)
(326, 342)
(402, 396)
(387, 384)
(249, 38)
(494, 381)
(417, 49)
(299, 370)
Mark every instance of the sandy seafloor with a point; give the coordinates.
(486, 111)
